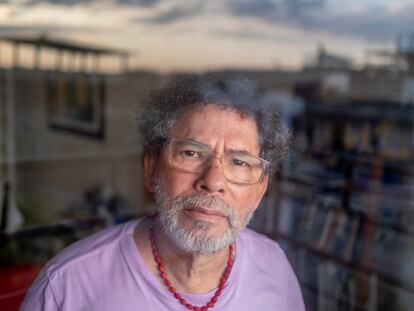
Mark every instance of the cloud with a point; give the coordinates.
(260, 8)
(57, 2)
(45, 28)
(374, 20)
(257, 35)
(137, 3)
(380, 22)
(178, 11)
(144, 3)
(297, 7)
(374, 25)
(273, 10)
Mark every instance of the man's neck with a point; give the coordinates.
(187, 272)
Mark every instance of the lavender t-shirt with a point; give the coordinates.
(105, 272)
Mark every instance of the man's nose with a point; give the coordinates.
(212, 179)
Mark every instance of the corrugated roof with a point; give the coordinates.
(60, 44)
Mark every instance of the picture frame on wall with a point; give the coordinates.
(75, 103)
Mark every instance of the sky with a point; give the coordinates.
(170, 35)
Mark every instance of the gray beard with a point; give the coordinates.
(196, 240)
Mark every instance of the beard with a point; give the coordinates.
(196, 240)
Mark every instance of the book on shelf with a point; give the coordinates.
(391, 297)
(329, 228)
(294, 214)
(341, 242)
(390, 252)
(324, 206)
(327, 284)
(373, 293)
(286, 216)
(353, 234)
(341, 289)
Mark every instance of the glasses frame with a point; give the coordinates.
(264, 162)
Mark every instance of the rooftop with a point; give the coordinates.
(60, 44)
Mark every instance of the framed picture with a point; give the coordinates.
(75, 103)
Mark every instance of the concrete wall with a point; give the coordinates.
(54, 168)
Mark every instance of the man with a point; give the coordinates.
(209, 151)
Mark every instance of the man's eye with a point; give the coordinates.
(240, 163)
(191, 154)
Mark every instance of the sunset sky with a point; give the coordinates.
(198, 34)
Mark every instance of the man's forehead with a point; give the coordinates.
(214, 124)
(202, 146)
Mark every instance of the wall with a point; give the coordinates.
(54, 168)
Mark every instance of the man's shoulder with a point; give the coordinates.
(264, 260)
(257, 241)
(93, 245)
(261, 249)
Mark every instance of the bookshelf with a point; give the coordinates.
(349, 236)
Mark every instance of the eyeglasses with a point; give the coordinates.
(194, 157)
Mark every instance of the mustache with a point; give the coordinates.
(206, 201)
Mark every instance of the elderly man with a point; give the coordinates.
(209, 151)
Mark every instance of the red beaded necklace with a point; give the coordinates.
(180, 298)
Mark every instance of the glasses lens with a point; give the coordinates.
(188, 156)
(243, 168)
(195, 158)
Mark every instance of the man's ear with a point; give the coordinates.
(150, 166)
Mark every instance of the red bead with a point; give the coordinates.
(205, 308)
(221, 287)
(157, 259)
(214, 299)
(167, 282)
(177, 295)
(197, 308)
(172, 289)
(189, 306)
(183, 301)
(163, 275)
(161, 267)
(218, 293)
(210, 304)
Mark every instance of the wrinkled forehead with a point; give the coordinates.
(219, 127)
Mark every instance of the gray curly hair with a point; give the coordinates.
(168, 103)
